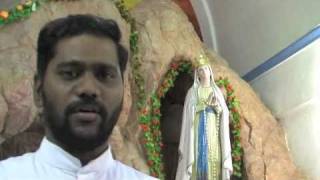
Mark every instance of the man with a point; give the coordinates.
(79, 85)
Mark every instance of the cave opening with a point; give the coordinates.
(171, 120)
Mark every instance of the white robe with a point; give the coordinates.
(50, 162)
(186, 145)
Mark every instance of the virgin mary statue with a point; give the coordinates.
(204, 149)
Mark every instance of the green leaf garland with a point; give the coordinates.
(149, 107)
(19, 12)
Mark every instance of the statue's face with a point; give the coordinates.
(82, 91)
(203, 72)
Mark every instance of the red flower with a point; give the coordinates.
(161, 145)
(150, 163)
(156, 111)
(153, 174)
(237, 158)
(144, 127)
(229, 88)
(174, 66)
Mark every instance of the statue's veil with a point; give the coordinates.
(186, 145)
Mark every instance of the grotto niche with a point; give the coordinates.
(165, 32)
(171, 119)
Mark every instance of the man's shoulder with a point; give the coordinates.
(16, 165)
(18, 160)
(133, 173)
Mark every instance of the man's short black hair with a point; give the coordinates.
(74, 25)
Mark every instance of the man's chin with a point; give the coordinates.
(84, 142)
(85, 133)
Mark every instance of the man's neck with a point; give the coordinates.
(84, 157)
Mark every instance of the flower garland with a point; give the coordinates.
(150, 120)
(135, 59)
(149, 108)
(235, 127)
(19, 12)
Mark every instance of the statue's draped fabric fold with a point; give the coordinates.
(204, 149)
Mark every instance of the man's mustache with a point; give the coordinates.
(86, 106)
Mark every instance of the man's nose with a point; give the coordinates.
(88, 87)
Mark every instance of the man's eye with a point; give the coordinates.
(69, 74)
(105, 75)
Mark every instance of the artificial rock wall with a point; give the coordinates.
(165, 35)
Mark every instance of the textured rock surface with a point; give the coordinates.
(17, 66)
(166, 35)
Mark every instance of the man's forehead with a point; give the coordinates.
(86, 49)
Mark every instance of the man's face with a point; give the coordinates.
(82, 91)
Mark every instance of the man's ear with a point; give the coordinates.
(37, 91)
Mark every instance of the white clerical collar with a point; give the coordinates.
(55, 156)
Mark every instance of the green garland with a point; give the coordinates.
(19, 12)
(150, 120)
(235, 127)
(135, 59)
(149, 108)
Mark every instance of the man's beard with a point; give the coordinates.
(59, 125)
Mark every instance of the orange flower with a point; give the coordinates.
(156, 111)
(144, 127)
(150, 163)
(155, 121)
(144, 111)
(19, 7)
(4, 14)
(229, 88)
(160, 92)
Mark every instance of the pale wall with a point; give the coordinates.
(291, 90)
(203, 10)
(248, 32)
